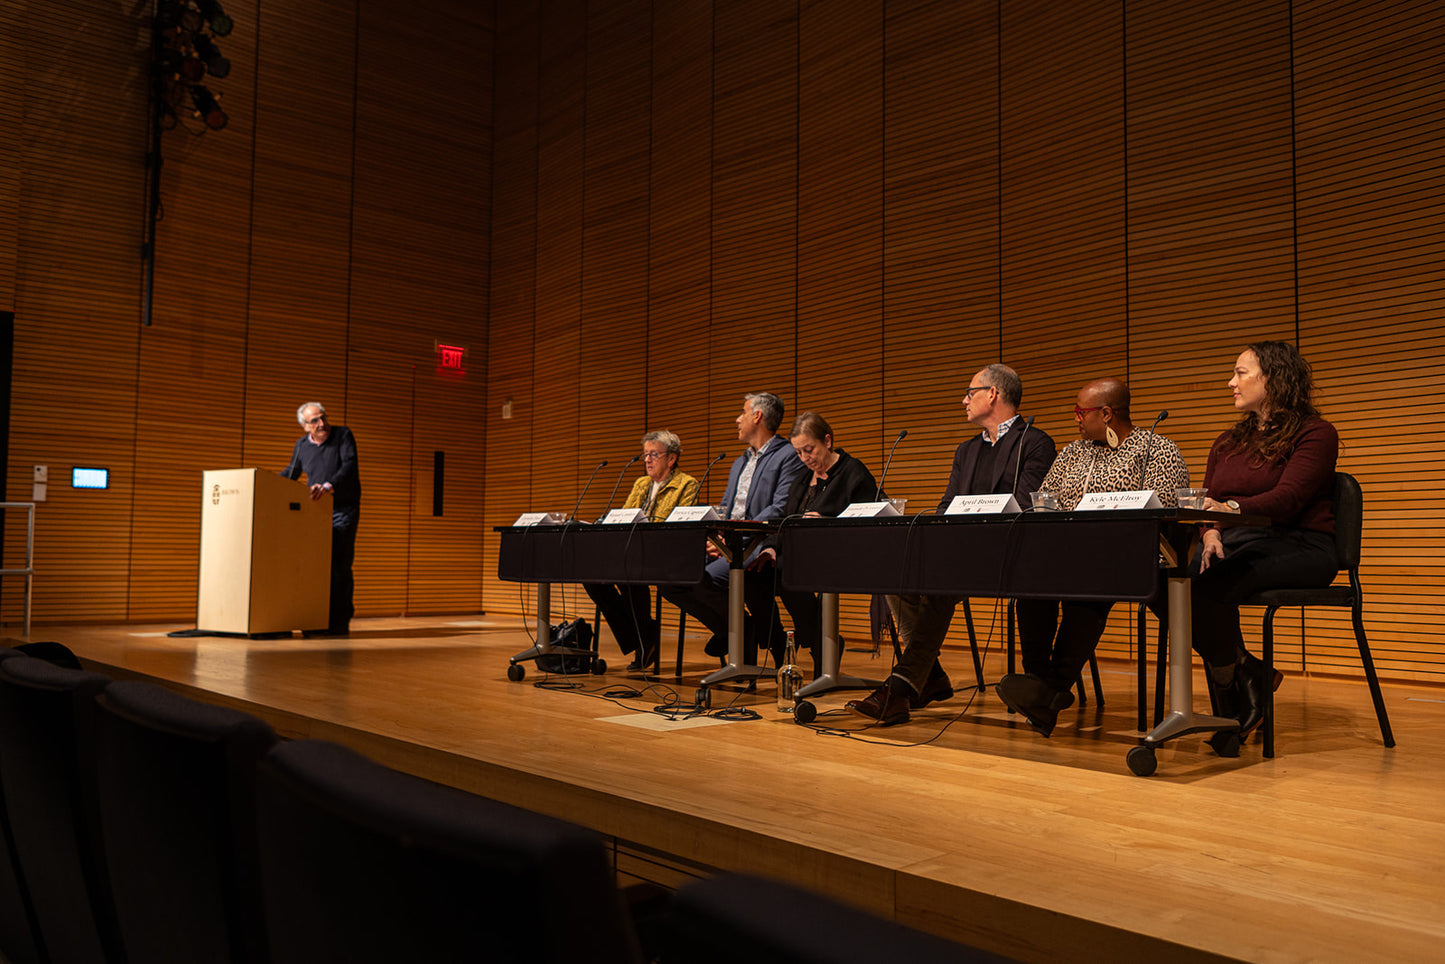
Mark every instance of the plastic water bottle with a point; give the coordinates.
(790, 679)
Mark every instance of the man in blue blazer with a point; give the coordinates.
(757, 489)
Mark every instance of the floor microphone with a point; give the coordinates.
(702, 486)
(1019, 461)
(1149, 449)
(902, 434)
(585, 488)
(630, 464)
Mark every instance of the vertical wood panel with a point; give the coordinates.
(679, 345)
(510, 373)
(418, 276)
(940, 254)
(754, 225)
(1371, 149)
(614, 326)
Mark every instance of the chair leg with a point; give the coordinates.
(1358, 618)
(1098, 686)
(1142, 652)
(973, 643)
(1161, 669)
(1268, 723)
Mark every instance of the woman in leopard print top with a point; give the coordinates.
(1109, 456)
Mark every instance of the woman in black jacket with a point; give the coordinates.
(837, 481)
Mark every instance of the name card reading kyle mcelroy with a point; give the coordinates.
(1142, 499)
(624, 516)
(694, 513)
(987, 504)
(869, 510)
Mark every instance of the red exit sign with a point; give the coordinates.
(450, 358)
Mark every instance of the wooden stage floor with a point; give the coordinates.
(963, 822)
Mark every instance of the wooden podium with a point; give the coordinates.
(265, 554)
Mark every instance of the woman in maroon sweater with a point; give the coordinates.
(1277, 461)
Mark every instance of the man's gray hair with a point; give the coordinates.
(301, 412)
(770, 405)
(670, 441)
(1006, 380)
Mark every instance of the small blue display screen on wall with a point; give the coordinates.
(89, 478)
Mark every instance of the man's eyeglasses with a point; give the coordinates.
(968, 392)
(314, 421)
(1081, 412)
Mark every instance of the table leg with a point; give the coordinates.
(1182, 719)
(735, 668)
(544, 626)
(828, 675)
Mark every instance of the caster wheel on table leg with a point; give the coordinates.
(599, 667)
(804, 713)
(1142, 761)
(516, 672)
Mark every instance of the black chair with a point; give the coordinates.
(361, 863)
(47, 770)
(736, 917)
(175, 783)
(1349, 505)
(656, 663)
(19, 932)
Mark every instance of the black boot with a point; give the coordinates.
(1252, 685)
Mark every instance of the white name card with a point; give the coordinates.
(624, 517)
(869, 510)
(540, 518)
(694, 513)
(987, 504)
(1143, 499)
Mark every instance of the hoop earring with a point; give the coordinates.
(1111, 436)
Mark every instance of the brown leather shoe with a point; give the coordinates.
(883, 705)
(935, 689)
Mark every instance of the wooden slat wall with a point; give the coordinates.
(853, 203)
(1107, 190)
(1370, 95)
(315, 248)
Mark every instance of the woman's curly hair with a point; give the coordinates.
(1288, 387)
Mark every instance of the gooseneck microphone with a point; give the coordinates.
(1149, 449)
(1019, 460)
(702, 486)
(585, 488)
(631, 462)
(902, 434)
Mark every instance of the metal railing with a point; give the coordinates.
(29, 571)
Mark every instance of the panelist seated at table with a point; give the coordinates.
(835, 481)
(1277, 461)
(1008, 455)
(1110, 455)
(758, 487)
(662, 488)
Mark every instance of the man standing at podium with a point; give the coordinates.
(327, 454)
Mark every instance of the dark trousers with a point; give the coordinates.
(343, 584)
(707, 602)
(626, 610)
(1057, 648)
(1275, 558)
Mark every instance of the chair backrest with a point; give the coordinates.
(361, 863)
(1349, 505)
(175, 782)
(739, 917)
(19, 932)
(46, 754)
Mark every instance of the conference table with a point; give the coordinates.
(640, 553)
(1094, 555)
